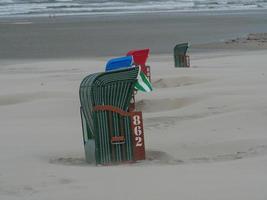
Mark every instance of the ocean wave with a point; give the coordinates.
(61, 7)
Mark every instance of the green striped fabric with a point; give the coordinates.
(113, 88)
(143, 84)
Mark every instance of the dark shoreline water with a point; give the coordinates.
(83, 36)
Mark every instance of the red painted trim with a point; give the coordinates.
(138, 150)
(113, 109)
(117, 139)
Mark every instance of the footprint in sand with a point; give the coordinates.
(160, 157)
(64, 181)
(68, 161)
(159, 105)
(177, 82)
(251, 152)
(154, 157)
(28, 97)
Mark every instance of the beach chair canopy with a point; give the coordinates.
(119, 63)
(180, 57)
(105, 98)
(139, 56)
(181, 48)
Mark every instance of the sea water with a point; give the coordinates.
(105, 7)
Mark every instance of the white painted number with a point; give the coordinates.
(138, 130)
(139, 141)
(136, 120)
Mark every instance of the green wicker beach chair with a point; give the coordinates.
(180, 57)
(111, 133)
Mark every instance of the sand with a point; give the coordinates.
(205, 130)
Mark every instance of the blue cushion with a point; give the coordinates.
(119, 63)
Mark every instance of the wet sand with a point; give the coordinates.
(74, 37)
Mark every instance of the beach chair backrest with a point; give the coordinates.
(108, 128)
(180, 57)
(119, 63)
(139, 58)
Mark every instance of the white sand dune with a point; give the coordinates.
(205, 132)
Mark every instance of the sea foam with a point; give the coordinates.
(96, 7)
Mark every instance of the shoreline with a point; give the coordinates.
(167, 13)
